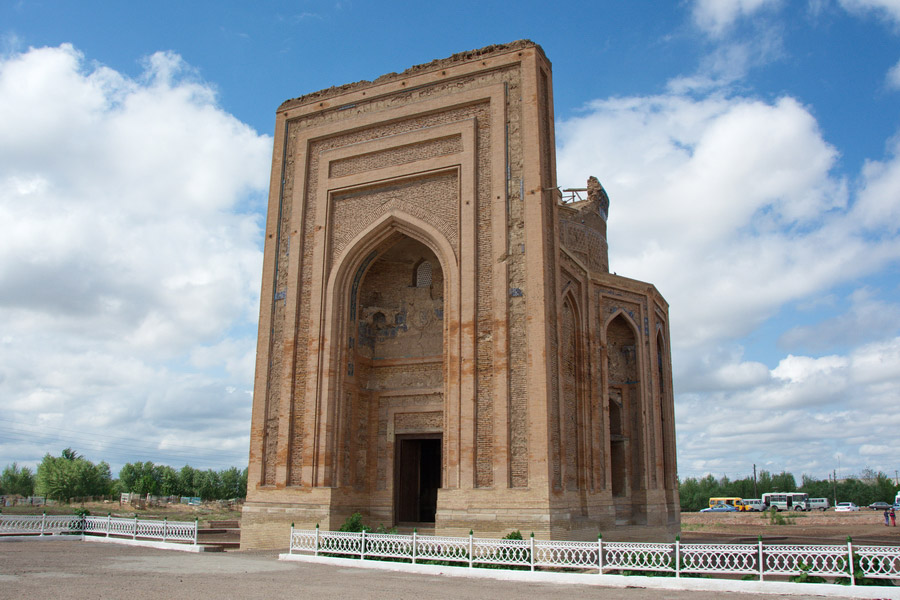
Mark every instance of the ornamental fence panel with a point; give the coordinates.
(735, 559)
(822, 561)
(389, 546)
(30, 524)
(443, 548)
(676, 559)
(174, 531)
(878, 562)
(578, 555)
(633, 556)
(512, 553)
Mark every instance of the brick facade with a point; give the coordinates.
(423, 281)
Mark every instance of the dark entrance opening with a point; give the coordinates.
(417, 478)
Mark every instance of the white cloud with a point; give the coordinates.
(129, 211)
(879, 206)
(809, 411)
(893, 77)
(731, 206)
(866, 317)
(716, 16)
(885, 8)
(727, 204)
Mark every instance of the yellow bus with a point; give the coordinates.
(736, 502)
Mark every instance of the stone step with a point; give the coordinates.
(224, 523)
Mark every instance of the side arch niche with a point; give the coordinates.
(572, 396)
(666, 420)
(625, 433)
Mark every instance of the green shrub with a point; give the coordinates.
(776, 518)
(354, 524)
(804, 576)
(860, 577)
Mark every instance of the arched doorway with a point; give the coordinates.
(395, 373)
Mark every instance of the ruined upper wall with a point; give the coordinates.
(441, 63)
(582, 228)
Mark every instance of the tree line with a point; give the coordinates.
(869, 487)
(70, 475)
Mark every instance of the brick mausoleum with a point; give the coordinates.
(441, 344)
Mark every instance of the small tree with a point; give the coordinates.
(71, 475)
(16, 480)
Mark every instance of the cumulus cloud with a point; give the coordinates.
(131, 237)
(716, 16)
(809, 412)
(733, 208)
(727, 204)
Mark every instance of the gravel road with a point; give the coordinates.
(75, 569)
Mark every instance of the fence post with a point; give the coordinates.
(532, 551)
(850, 558)
(470, 547)
(362, 546)
(108, 519)
(43, 521)
(678, 555)
(134, 530)
(600, 553)
(165, 527)
(291, 545)
(761, 564)
(317, 540)
(414, 546)
(196, 528)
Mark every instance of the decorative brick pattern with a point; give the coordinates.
(423, 422)
(426, 375)
(586, 243)
(395, 156)
(433, 199)
(570, 424)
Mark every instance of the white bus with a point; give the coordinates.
(786, 500)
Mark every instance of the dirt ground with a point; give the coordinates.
(174, 512)
(87, 570)
(829, 527)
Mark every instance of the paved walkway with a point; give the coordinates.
(74, 569)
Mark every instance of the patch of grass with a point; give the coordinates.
(173, 512)
(776, 518)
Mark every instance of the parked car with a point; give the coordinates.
(818, 504)
(882, 506)
(845, 507)
(720, 508)
(754, 504)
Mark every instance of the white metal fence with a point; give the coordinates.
(165, 530)
(758, 560)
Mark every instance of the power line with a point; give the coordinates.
(124, 451)
(80, 433)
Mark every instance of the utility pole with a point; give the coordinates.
(834, 480)
(755, 495)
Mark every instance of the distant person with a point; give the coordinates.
(887, 518)
(893, 517)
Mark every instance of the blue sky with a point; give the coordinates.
(751, 150)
